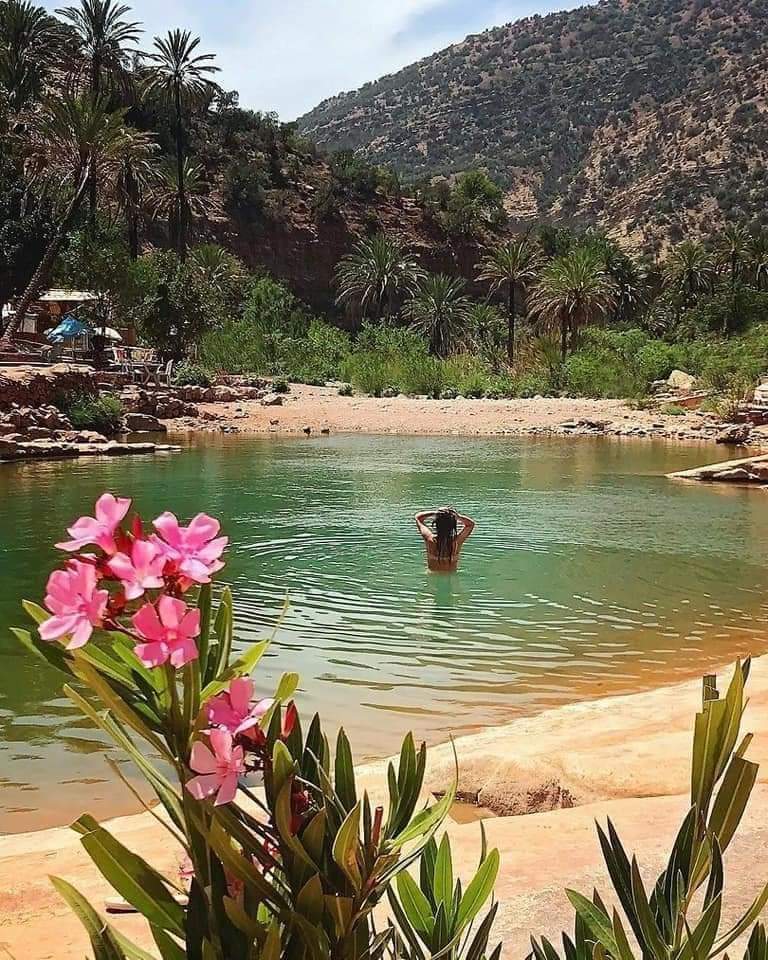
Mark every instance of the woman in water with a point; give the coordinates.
(442, 537)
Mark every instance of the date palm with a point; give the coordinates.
(131, 187)
(573, 291)
(757, 258)
(102, 34)
(440, 310)
(30, 43)
(510, 267)
(731, 256)
(377, 272)
(181, 77)
(689, 270)
(67, 141)
(180, 207)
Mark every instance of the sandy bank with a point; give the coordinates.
(321, 408)
(623, 757)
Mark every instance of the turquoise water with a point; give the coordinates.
(589, 573)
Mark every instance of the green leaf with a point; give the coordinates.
(105, 946)
(242, 667)
(272, 947)
(427, 821)
(732, 798)
(223, 628)
(36, 612)
(344, 774)
(346, 847)
(416, 907)
(443, 875)
(743, 924)
(310, 901)
(596, 921)
(287, 686)
(647, 922)
(131, 876)
(52, 653)
(699, 942)
(169, 949)
(479, 889)
(204, 638)
(283, 817)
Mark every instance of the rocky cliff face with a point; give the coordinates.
(302, 250)
(649, 116)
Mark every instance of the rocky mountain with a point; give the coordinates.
(647, 116)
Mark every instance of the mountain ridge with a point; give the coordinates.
(649, 117)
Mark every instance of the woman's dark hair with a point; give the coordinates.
(446, 528)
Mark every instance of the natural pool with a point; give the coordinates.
(589, 573)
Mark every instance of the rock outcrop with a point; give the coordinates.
(752, 470)
(36, 386)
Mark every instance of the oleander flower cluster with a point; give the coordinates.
(140, 581)
(124, 577)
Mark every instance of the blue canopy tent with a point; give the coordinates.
(69, 328)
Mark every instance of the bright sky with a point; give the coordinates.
(288, 55)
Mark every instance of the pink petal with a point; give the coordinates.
(201, 529)
(227, 791)
(190, 625)
(151, 654)
(81, 636)
(122, 567)
(147, 623)
(168, 527)
(240, 693)
(171, 611)
(197, 571)
(183, 652)
(111, 510)
(204, 786)
(221, 741)
(213, 550)
(201, 759)
(58, 627)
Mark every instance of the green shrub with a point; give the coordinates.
(672, 410)
(280, 385)
(533, 384)
(346, 390)
(189, 374)
(102, 413)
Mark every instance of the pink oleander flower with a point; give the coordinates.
(218, 769)
(234, 710)
(143, 570)
(100, 530)
(194, 550)
(77, 606)
(169, 629)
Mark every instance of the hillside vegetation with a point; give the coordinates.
(647, 116)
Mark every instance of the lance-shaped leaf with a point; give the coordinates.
(478, 891)
(101, 935)
(346, 847)
(131, 876)
(416, 907)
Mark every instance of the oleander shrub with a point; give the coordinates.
(189, 374)
(293, 868)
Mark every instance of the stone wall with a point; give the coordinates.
(37, 386)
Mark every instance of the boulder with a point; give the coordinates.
(272, 400)
(9, 449)
(143, 423)
(38, 433)
(736, 434)
(680, 380)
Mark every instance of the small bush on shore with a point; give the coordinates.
(190, 374)
(102, 413)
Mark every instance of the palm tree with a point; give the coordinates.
(573, 290)
(488, 330)
(131, 187)
(67, 141)
(510, 266)
(440, 311)
(102, 35)
(628, 274)
(757, 258)
(689, 270)
(731, 253)
(30, 43)
(181, 78)
(181, 202)
(376, 274)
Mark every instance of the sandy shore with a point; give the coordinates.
(321, 408)
(623, 757)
